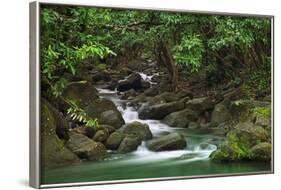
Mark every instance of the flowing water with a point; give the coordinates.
(142, 163)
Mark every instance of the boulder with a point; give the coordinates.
(220, 114)
(87, 131)
(164, 97)
(53, 152)
(99, 106)
(181, 118)
(112, 118)
(114, 140)
(106, 112)
(101, 76)
(101, 136)
(109, 129)
(244, 110)
(199, 105)
(240, 141)
(64, 157)
(132, 82)
(141, 130)
(159, 111)
(129, 143)
(82, 93)
(86, 148)
(172, 141)
(261, 151)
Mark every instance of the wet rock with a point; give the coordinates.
(181, 118)
(172, 141)
(82, 93)
(220, 114)
(141, 130)
(86, 148)
(159, 111)
(129, 143)
(114, 140)
(132, 82)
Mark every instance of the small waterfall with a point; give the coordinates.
(192, 153)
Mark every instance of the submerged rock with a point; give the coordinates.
(181, 118)
(159, 111)
(141, 130)
(172, 141)
(86, 148)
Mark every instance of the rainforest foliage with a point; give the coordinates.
(229, 47)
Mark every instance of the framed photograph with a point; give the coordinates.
(132, 94)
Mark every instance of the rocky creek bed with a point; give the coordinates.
(147, 131)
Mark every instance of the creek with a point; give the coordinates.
(192, 161)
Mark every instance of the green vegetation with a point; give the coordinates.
(162, 65)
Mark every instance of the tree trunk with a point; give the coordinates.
(170, 65)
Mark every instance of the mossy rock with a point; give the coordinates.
(82, 93)
(239, 143)
(53, 152)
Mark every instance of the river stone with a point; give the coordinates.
(132, 82)
(141, 130)
(199, 105)
(219, 115)
(129, 143)
(181, 118)
(172, 141)
(53, 152)
(99, 106)
(64, 157)
(100, 136)
(159, 111)
(86, 148)
(262, 151)
(112, 118)
(82, 93)
(87, 131)
(109, 129)
(240, 141)
(114, 140)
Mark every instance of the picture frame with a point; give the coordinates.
(36, 177)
